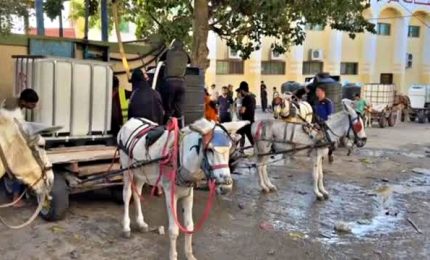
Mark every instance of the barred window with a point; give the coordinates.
(312, 67)
(413, 31)
(229, 67)
(349, 68)
(273, 67)
(383, 29)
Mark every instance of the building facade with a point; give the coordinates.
(399, 53)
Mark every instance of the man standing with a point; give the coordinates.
(28, 99)
(224, 106)
(246, 112)
(323, 105)
(144, 102)
(263, 94)
(213, 93)
(176, 61)
(360, 105)
(323, 109)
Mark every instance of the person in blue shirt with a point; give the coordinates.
(323, 109)
(323, 106)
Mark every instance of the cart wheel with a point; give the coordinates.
(7, 184)
(56, 208)
(421, 117)
(116, 194)
(412, 117)
(382, 121)
(392, 119)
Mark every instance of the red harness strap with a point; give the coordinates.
(258, 132)
(169, 168)
(136, 139)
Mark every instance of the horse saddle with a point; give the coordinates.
(154, 134)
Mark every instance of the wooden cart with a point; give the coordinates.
(381, 99)
(79, 169)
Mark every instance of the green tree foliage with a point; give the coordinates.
(9, 8)
(244, 23)
(53, 8)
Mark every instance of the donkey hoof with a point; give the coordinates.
(265, 190)
(190, 257)
(273, 188)
(326, 196)
(143, 229)
(126, 234)
(320, 197)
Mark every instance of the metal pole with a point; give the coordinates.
(38, 5)
(105, 21)
(87, 17)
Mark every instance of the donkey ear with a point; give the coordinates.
(202, 126)
(347, 105)
(232, 127)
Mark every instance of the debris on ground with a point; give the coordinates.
(364, 222)
(161, 230)
(271, 252)
(342, 227)
(241, 206)
(56, 229)
(414, 226)
(365, 161)
(324, 235)
(421, 171)
(296, 235)
(75, 254)
(267, 226)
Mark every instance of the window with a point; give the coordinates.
(349, 68)
(314, 27)
(413, 31)
(383, 29)
(229, 67)
(312, 67)
(273, 67)
(386, 78)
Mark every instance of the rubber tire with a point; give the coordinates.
(421, 117)
(116, 194)
(59, 204)
(412, 117)
(6, 181)
(392, 120)
(382, 122)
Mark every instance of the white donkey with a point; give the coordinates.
(22, 156)
(293, 112)
(276, 135)
(204, 151)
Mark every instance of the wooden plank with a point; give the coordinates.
(81, 156)
(80, 148)
(93, 169)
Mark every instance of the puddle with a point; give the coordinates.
(385, 152)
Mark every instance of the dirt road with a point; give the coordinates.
(375, 192)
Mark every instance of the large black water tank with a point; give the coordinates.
(194, 104)
(350, 90)
(290, 86)
(333, 88)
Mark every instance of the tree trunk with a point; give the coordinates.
(200, 49)
(60, 17)
(87, 17)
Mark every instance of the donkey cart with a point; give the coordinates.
(381, 99)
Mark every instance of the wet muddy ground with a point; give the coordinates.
(379, 193)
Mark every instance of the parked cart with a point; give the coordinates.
(381, 99)
(420, 102)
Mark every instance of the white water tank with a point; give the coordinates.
(74, 94)
(419, 95)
